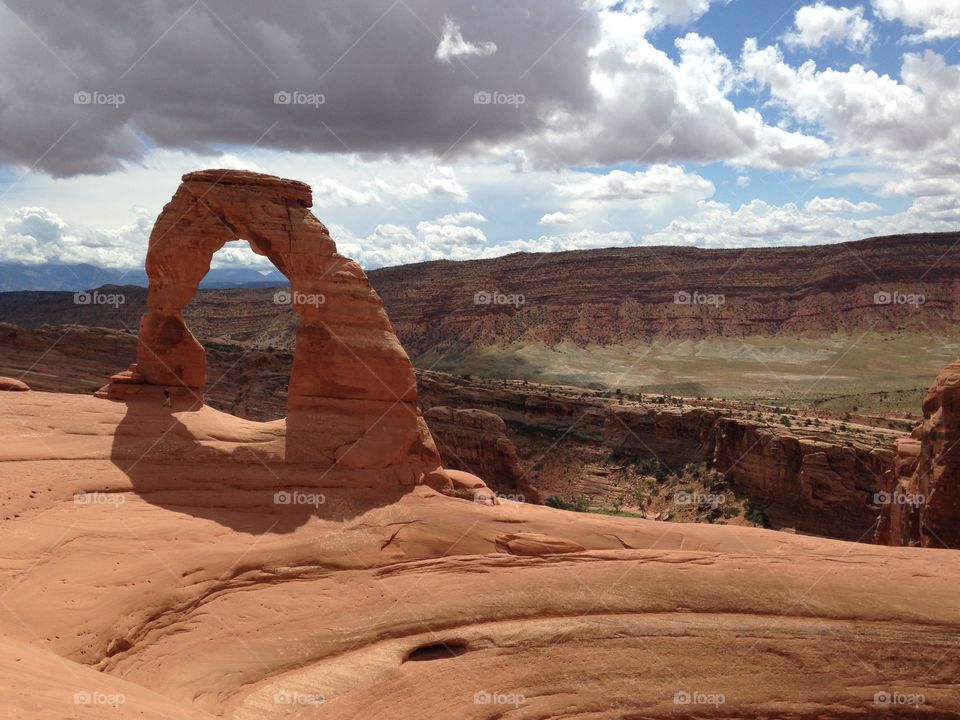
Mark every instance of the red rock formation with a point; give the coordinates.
(476, 441)
(922, 503)
(802, 479)
(13, 385)
(352, 394)
(816, 480)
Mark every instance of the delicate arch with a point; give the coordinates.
(352, 391)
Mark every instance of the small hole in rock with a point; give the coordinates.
(437, 651)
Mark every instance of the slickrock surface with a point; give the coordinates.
(923, 503)
(352, 392)
(197, 593)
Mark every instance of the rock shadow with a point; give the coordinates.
(192, 459)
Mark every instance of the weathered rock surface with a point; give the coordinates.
(352, 395)
(12, 385)
(923, 496)
(190, 593)
(476, 441)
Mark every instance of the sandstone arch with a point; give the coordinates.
(352, 391)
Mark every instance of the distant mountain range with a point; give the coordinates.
(74, 278)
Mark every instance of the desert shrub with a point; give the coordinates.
(755, 515)
(578, 503)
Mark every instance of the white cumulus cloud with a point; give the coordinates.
(937, 19)
(840, 205)
(557, 218)
(641, 185)
(821, 24)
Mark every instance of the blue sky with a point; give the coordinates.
(724, 123)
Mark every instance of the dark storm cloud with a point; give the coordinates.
(205, 74)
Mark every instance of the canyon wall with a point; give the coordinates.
(476, 441)
(616, 295)
(820, 480)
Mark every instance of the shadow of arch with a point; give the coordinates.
(196, 460)
(352, 417)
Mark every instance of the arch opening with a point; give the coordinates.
(249, 361)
